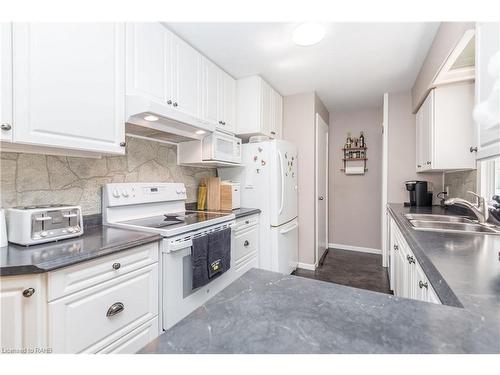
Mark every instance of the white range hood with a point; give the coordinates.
(170, 125)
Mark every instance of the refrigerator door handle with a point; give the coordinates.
(285, 231)
(282, 183)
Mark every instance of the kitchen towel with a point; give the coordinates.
(219, 252)
(199, 261)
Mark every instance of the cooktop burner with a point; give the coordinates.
(181, 218)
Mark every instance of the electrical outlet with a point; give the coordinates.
(447, 189)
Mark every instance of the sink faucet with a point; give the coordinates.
(479, 208)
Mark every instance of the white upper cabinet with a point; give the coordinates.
(259, 108)
(487, 112)
(226, 97)
(149, 61)
(445, 129)
(186, 78)
(6, 81)
(210, 109)
(69, 86)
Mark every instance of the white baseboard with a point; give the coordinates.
(306, 266)
(354, 248)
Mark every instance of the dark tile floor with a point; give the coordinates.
(351, 268)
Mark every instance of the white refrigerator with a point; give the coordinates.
(269, 182)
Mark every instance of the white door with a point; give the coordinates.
(23, 312)
(209, 91)
(284, 182)
(6, 81)
(321, 178)
(285, 247)
(487, 111)
(149, 61)
(69, 85)
(187, 78)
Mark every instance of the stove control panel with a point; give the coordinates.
(119, 194)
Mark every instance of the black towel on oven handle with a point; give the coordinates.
(219, 252)
(199, 262)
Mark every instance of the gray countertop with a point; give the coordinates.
(96, 241)
(267, 312)
(463, 268)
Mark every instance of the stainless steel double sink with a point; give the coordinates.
(445, 223)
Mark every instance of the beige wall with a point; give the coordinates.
(447, 36)
(402, 150)
(28, 179)
(298, 127)
(355, 200)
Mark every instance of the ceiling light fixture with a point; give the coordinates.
(308, 34)
(151, 118)
(200, 132)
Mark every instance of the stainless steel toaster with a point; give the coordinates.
(30, 225)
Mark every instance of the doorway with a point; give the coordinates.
(321, 189)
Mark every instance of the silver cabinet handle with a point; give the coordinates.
(116, 266)
(247, 221)
(321, 198)
(396, 247)
(419, 166)
(273, 133)
(410, 259)
(169, 102)
(6, 127)
(28, 292)
(471, 149)
(122, 144)
(429, 163)
(246, 243)
(220, 122)
(43, 218)
(115, 308)
(175, 104)
(422, 284)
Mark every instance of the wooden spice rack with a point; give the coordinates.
(348, 153)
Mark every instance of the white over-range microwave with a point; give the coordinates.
(221, 147)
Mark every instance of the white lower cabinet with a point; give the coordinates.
(408, 280)
(245, 253)
(108, 305)
(23, 315)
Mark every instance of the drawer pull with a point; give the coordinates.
(115, 308)
(28, 292)
(246, 243)
(116, 266)
(247, 221)
(396, 247)
(422, 284)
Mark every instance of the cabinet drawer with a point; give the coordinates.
(84, 321)
(245, 242)
(246, 222)
(75, 278)
(134, 341)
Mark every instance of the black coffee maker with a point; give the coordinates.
(419, 195)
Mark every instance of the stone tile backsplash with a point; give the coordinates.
(460, 183)
(28, 179)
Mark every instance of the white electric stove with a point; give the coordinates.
(160, 208)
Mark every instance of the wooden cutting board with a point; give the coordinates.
(213, 194)
(226, 197)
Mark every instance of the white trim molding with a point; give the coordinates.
(306, 266)
(333, 246)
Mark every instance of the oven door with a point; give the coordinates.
(179, 300)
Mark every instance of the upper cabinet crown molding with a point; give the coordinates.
(460, 64)
(259, 108)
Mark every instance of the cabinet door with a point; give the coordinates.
(276, 113)
(186, 78)
(6, 81)
(227, 102)
(265, 108)
(69, 85)
(149, 61)
(209, 92)
(421, 285)
(23, 307)
(425, 119)
(487, 101)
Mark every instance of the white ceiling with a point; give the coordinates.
(350, 68)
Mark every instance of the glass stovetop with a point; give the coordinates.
(185, 218)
